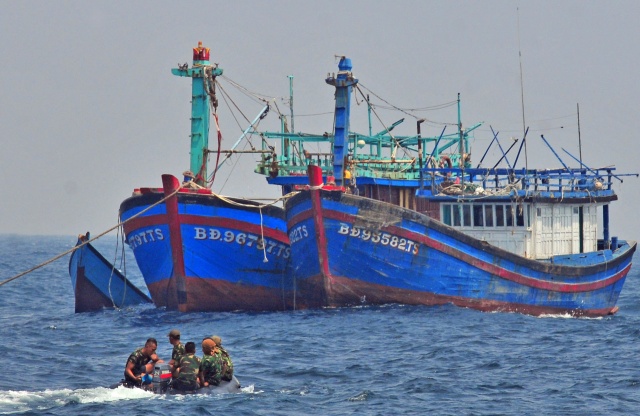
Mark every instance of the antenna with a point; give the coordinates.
(291, 101)
(524, 124)
(579, 138)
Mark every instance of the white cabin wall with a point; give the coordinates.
(556, 229)
(548, 229)
(514, 238)
(514, 241)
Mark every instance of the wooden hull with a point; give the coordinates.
(350, 250)
(200, 252)
(97, 284)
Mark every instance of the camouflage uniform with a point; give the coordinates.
(189, 365)
(139, 360)
(211, 368)
(178, 351)
(227, 365)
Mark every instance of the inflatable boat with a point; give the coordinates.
(160, 383)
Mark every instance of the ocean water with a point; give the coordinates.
(368, 361)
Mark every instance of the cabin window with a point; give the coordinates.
(539, 212)
(485, 215)
(466, 215)
(499, 215)
(520, 215)
(446, 214)
(488, 215)
(477, 216)
(456, 215)
(509, 209)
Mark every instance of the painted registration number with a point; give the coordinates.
(376, 237)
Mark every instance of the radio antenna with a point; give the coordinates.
(579, 138)
(524, 124)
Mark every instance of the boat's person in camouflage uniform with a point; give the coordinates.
(211, 364)
(178, 348)
(141, 362)
(227, 364)
(185, 376)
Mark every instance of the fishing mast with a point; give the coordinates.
(203, 75)
(343, 83)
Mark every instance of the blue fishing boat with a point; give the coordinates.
(200, 251)
(442, 231)
(97, 284)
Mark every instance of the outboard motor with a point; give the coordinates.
(161, 378)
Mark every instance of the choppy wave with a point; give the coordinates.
(20, 401)
(393, 359)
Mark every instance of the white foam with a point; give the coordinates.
(249, 389)
(21, 401)
(568, 316)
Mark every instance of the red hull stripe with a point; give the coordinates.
(482, 265)
(485, 305)
(198, 220)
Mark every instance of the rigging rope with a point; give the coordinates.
(247, 135)
(226, 96)
(387, 128)
(257, 97)
(406, 111)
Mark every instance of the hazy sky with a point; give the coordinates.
(89, 109)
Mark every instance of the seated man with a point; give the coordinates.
(211, 364)
(227, 364)
(178, 348)
(141, 362)
(185, 375)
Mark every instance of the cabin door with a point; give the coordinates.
(590, 228)
(544, 231)
(566, 229)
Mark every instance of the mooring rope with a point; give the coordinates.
(123, 266)
(264, 246)
(59, 256)
(259, 206)
(113, 268)
(51, 260)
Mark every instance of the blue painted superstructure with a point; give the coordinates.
(343, 83)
